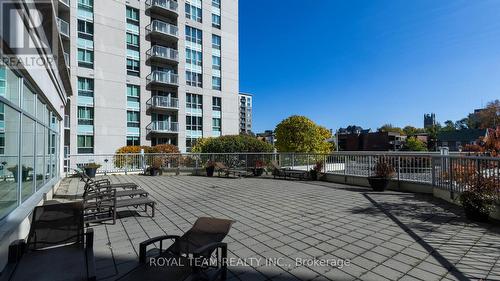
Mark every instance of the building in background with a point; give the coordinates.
(268, 136)
(376, 141)
(34, 87)
(429, 120)
(458, 139)
(150, 72)
(245, 107)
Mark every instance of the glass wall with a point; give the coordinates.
(29, 137)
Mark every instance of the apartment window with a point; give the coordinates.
(85, 58)
(132, 40)
(194, 35)
(85, 87)
(85, 144)
(85, 28)
(86, 9)
(216, 42)
(85, 116)
(133, 93)
(216, 124)
(132, 14)
(133, 119)
(216, 21)
(133, 141)
(190, 143)
(216, 83)
(216, 3)
(194, 79)
(194, 123)
(194, 101)
(216, 104)
(193, 10)
(133, 67)
(216, 64)
(194, 57)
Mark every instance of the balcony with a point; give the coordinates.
(163, 103)
(64, 5)
(162, 78)
(66, 59)
(163, 127)
(162, 54)
(63, 27)
(163, 7)
(162, 31)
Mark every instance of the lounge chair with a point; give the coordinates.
(201, 243)
(57, 247)
(222, 169)
(288, 173)
(102, 204)
(92, 185)
(85, 178)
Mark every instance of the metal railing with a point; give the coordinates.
(163, 78)
(162, 27)
(163, 127)
(163, 102)
(452, 172)
(163, 53)
(63, 27)
(164, 4)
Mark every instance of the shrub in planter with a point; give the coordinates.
(210, 168)
(479, 200)
(259, 168)
(382, 173)
(91, 169)
(316, 170)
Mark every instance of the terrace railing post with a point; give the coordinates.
(399, 171)
(433, 171)
(450, 172)
(293, 160)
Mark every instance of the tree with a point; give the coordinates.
(490, 116)
(414, 144)
(412, 131)
(449, 126)
(389, 128)
(462, 124)
(232, 144)
(300, 134)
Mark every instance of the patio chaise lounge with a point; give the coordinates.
(57, 247)
(102, 204)
(123, 185)
(203, 242)
(288, 173)
(223, 169)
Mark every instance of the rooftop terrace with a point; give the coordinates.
(385, 236)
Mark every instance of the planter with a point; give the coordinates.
(90, 172)
(258, 172)
(25, 175)
(378, 184)
(155, 172)
(474, 214)
(210, 171)
(313, 175)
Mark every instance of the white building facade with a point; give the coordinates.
(245, 107)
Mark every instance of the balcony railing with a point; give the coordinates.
(164, 53)
(63, 27)
(163, 102)
(65, 2)
(163, 127)
(160, 27)
(66, 59)
(168, 6)
(161, 77)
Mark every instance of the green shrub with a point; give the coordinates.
(232, 144)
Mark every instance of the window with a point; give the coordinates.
(133, 97)
(216, 124)
(194, 101)
(132, 67)
(216, 21)
(85, 116)
(86, 9)
(85, 87)
(216, 3)
(194, 79)
(133, 119)
(85, 144)
(132, 14)
(85, 28)
(216, 104)
(194, 57)
(216, 83)
(190, 142)
(132, 40)
(133, 141)
(85, 58)
(216, 42)
(193, 10)
(194, 35)
(194, 123)
(216, 63)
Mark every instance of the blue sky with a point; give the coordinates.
(368, 62)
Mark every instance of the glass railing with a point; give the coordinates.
(163, 77)
(164, 126)
(163, 102)
(163, 27)
(63, 27)
(66, 59)
(164, 4)
(163, 52)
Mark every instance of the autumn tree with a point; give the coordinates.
(300, 134)
(414, 144)
(390, 128)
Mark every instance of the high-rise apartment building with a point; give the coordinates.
(245, 108)
(150, 72)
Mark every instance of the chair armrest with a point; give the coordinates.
(89, 253)
(143, 245)
(16, 250)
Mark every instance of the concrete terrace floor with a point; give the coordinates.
(386, 236)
